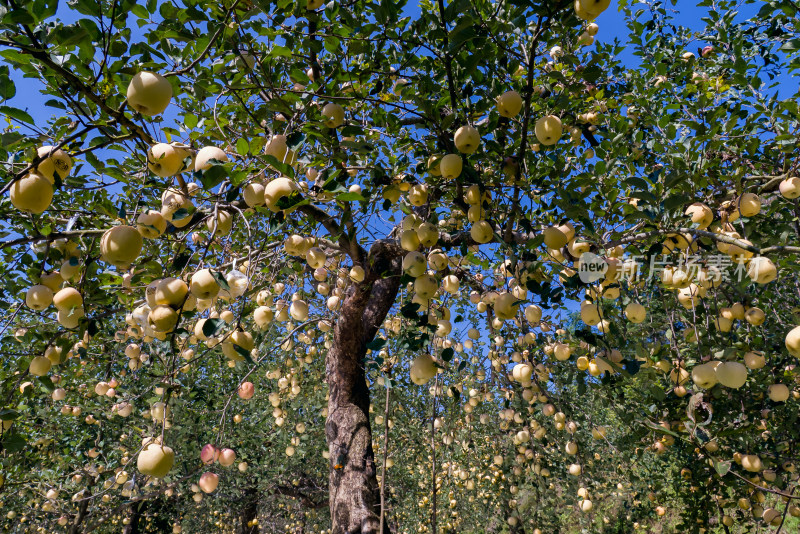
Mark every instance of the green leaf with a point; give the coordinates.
(592, 73)
(16, 114)
(293, 200)
(181, 260)
(46, 383)
(19, 16)
(791, 45)
(180, 214)
(283, 168)
(190, 121)
(212, 176)
(376, 344)
(7, 87)
(447, 354)
(349, 197)
(140, 11)
(212, 326)
(465, 31)
(244, 353)
(13, 442)
(295, 139)
(221, 280)
(8, 414)
(280, 51)
(242, 146)
(409, 310)
(722, 468)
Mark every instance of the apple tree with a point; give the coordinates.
(256, 232)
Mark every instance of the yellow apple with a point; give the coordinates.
(418, 194)
(151, 224)
(227, 457)
(731, 374)
(481, 232)
(54, 161)
(277, 189)
(704, 375)
(548, 130)
(32, 193)
(635, 312)
(749, 205)
(207, 156)
(790, 187)
(67, 299)
(467, 139)
(149, 93)
(39, 366)
(425, 286)
(700, 214)
(221, 224)
(155, 460)
(38, 297)
(171, 292)
(778, 392)
(203, 285)
(422, 369)
(554, 238)
(333, 115)
(761, 270)
(162, 319)
(509, 104)
(120, 246)
(167, 160)
(254, 194)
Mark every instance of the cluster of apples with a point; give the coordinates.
(33, 193)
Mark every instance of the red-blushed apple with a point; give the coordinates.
(246, 390)
(209, 454)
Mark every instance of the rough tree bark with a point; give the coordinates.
(354, 490)
(249, 512)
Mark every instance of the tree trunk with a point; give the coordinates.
(136, 513)
(354, 490)
(83, 508)
(249, 512)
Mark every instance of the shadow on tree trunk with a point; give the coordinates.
(137, 509)
(249, 512)
(354, 489)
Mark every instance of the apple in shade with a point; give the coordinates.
(208, 482)
(246, 390)
(333, 115)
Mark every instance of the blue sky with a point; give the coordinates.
(611, 22)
